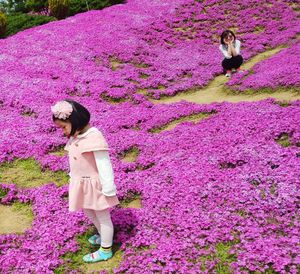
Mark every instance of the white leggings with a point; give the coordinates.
(102, 221)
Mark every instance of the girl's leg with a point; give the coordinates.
(91, 214)
(107, 232)
(106, 227)
(93, 218)
(237, 61)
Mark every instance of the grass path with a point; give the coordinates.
(216, 91)
(16, 218)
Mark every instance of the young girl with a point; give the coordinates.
(230, 47)
(92, 185)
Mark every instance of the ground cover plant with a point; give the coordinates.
(284, 72)
(219, 194)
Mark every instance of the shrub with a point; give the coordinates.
(36, 5)
(77, 6)
(18, 22)
(20, 6)
(59, 8)
(3, 23)
(13, 6)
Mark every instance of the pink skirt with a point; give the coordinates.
(87, 193)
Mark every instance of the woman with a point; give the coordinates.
(230, 47)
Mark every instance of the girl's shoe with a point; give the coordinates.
(95, 239)
(228, 73)
(98, 256)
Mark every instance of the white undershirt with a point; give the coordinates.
(105, 171)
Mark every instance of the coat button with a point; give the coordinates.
(74, 158)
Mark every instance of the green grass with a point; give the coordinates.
(60, 152)
(15, 218)
(3, 192)
(283, 140)
(132, 201)
(295, 90)
(73, 260)
(24, 209)
(223, 257)
(28, 173)
(283, 103)
(189, 118)
(241, 213)
(104, 96)
(222, 253)
(144, 76)
(130, 155)
(115, 63)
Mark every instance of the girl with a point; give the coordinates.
(92, 185)
(230, 47)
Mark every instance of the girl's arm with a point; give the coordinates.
(105, 171)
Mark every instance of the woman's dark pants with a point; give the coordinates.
(233, 62)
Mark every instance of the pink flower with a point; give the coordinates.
(62, 110)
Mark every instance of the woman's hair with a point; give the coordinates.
(225, 34)
(79, 117)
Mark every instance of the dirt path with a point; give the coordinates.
(14, 220)
(214, 92)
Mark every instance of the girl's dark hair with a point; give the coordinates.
(225, 34)
(79, 117)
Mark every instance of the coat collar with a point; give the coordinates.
(92, 129)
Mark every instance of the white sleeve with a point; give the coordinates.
(105, 171)
(237, 47)
(225, 52)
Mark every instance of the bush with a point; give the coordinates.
(10, 6)
(59, 8)
(19, 21)
(36, 5)
(3, 23)
(77, 6)
(20, 6)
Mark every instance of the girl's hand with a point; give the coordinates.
(109, 190)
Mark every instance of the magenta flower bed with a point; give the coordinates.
(72, 56)
(280, 71)
(223, 180)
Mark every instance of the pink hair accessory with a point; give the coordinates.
(62, 110)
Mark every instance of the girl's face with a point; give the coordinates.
(65, 126)
(229, 38)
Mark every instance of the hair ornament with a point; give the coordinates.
(62, 110)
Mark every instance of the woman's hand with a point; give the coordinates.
(231, 50)
(230, 42)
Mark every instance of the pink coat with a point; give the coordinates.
(85, 190)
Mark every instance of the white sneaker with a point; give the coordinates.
(228, 74)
